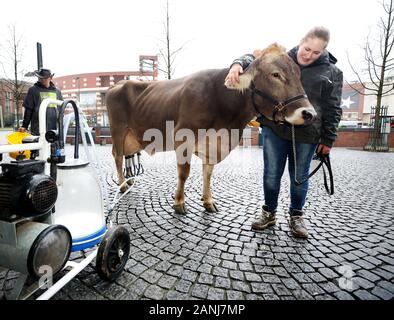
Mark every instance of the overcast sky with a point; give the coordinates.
(95, 35)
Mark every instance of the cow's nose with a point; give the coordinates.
(307, 116)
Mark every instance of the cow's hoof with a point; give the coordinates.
(180, 209)
(130, 182)
(124, 188)
(211, 207)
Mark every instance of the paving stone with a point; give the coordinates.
(200, 291)
(329, 287)
(205, 278)
(313, 289)
(365, 295)
(237, 275)
(154, 292)
(175, 271)
(167, 281)
(384, 274)
(364, 264)
(252, 277)
(151, 276)
(328, 273)
(138, 269)
(254, 297)
(175, 295)
(368, 275)
(224, 283)
(389, 286)
(363, 283)
(215, 294)
(302, 295)
(291, 284)
(183, 286)
(229, 265)
(240, 286)
(235, 295)
(343, 295)
(281, 290)
(259, 288)
(382, 293)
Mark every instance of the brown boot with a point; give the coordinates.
(265, 220)
(297, 225)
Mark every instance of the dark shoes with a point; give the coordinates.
(265, 220)
(297, 225)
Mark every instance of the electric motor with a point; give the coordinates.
(25, 191)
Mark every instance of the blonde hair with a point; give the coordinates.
(321, 33)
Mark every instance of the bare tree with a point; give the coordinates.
(165, 52)
(11, 55)
(379, 59)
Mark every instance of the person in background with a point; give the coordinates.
(322, 82)
(42, 89)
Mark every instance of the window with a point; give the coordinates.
(8, 101)
(88, 100)
(102, 95)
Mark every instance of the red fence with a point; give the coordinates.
(349, 138)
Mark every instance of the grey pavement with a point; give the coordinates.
(350, 253)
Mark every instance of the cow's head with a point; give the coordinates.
(278, 93)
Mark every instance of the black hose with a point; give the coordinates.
(60, 124)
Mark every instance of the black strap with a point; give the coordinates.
(324, 161)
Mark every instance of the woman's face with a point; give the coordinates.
(310, 50)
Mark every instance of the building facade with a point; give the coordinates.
(357, 103)
(8, 103)
(90, 88)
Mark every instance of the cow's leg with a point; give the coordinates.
(183, 174)
(183, 158)
(209, 204)
(119, 168)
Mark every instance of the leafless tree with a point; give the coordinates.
(379, 61)
(166, 53)
(11, 55)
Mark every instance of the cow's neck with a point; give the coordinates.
(237, 105)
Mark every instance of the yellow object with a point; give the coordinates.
(254, 124)
(16, 138)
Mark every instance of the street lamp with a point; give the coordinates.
(79, 89)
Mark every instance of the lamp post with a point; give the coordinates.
(79, 89)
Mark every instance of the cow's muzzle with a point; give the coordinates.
(280, 108)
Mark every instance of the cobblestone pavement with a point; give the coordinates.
(350, 253)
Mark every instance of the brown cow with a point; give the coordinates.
(270, 86)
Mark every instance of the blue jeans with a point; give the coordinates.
(276, 153)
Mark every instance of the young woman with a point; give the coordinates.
(322, 82)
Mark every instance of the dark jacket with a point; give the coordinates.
(322, 82)
(34, 97)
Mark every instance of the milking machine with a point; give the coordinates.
(52, 206)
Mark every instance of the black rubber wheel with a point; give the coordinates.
(113, 253)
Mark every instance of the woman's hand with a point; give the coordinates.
(323, 149)
(232, 78)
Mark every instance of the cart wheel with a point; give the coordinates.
(113, 253)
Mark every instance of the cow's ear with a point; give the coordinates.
(273, 49)
(257, 53)
(245, 79)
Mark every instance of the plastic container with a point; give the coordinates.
(16, 138)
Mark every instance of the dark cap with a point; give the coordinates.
(43, 73)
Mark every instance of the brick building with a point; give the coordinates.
(90, 88)
(8, 107)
